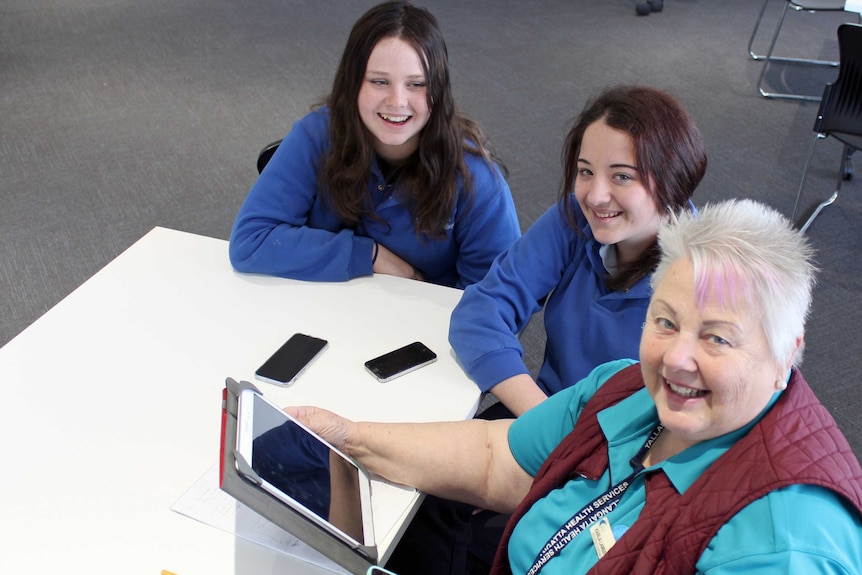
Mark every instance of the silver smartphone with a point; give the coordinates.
(400, 361)
(291, 359)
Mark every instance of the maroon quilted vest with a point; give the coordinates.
(796, 442)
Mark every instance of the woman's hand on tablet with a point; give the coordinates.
(331, 427)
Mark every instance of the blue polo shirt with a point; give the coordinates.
(285, 227)
(585, 322)
(798, 529)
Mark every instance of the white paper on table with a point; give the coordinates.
(853, 6)
(206, 502)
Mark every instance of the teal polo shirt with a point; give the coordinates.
(798, 529)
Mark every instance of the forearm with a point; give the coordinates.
(485, 324)
(466, 461)
(283, 229)
(299, 252)
(519, 393)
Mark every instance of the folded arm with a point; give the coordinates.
(519, 393)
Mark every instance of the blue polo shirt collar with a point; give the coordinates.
(594, 252)
(632, 419)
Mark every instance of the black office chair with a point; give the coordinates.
(840, 113)
(265, 154)
(798, 6)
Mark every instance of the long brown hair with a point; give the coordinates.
(670, 156)
(430, 178)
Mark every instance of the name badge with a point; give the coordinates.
(603, 536)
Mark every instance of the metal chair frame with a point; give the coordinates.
(839, 115)
(798, 6)
(845, 173)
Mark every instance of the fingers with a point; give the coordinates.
(300, 412)
(390, 264)
(326, 424)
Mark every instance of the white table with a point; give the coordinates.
(112, 400)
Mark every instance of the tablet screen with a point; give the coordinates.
(299, 468)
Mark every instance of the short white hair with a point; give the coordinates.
(745, 249)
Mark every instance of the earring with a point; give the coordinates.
(780, 385)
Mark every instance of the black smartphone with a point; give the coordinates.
(291, 359)
(403, 360)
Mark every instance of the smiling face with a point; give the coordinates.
(709, 368)
(392, 100)
(611, 194)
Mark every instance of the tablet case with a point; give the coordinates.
(238, 479)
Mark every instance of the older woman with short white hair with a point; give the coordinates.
(711, 455)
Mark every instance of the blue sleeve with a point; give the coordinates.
(537, 432)
(486, 223)
(283, 229)
(485, 324)
(798, 529)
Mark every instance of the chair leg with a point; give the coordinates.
(817, 211)
(805, 173)
(751, 53)
(845, 158)
(770, 58)
(755, 56)
(847, 164)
